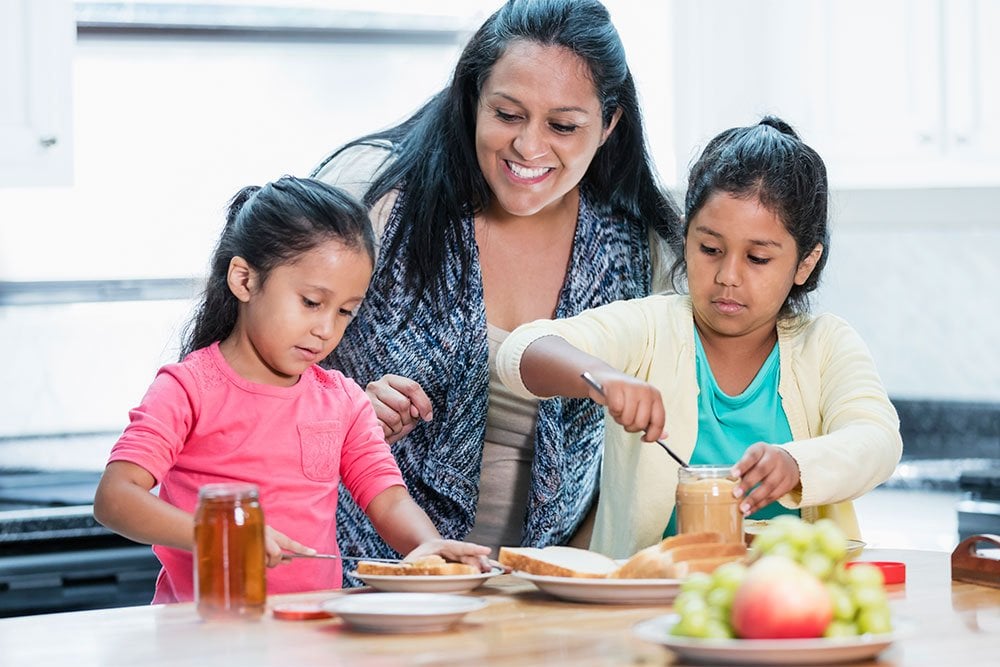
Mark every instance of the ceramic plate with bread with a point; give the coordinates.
(430, 574)
(651, 576)
(673, 558)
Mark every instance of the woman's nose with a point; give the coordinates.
(530, 142)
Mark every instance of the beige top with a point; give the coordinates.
(508, 449)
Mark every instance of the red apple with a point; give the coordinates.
(779, 599)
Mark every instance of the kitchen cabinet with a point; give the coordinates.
(37, 38)
(892, 93)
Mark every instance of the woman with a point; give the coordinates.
(523, 190)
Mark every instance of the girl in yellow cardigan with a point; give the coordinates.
(736, 370)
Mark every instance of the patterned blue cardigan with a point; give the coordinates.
(448, 356)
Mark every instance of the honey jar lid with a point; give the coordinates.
(300, 611)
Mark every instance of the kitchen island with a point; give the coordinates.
(943, 622)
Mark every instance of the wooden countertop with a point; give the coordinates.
(953, 624)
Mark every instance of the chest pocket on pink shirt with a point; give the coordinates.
(320, 443)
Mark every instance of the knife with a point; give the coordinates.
(290, 556)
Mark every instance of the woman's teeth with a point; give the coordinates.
(525, 172)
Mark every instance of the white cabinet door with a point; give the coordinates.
(890, 92)
(36, 51)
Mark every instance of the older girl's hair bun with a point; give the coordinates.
(779, 125)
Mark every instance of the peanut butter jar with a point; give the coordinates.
(705, 502)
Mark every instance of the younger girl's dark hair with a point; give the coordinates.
(434, 151)
(770, 163)
(270, 226)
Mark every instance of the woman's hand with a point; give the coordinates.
(634, 404)
(453, 550)
(399, 404)
(275, 543)
(768, 467)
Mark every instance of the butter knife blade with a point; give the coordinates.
(289, 556)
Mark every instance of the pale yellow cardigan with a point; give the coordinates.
(845, 430)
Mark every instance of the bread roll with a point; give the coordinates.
(662, 561)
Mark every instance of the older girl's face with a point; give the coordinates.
(741, 265)
(538, 127)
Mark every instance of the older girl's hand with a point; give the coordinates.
(454, 550)
(769, 468)
(636, 405)
(400, 403)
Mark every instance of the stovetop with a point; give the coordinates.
(54, 556)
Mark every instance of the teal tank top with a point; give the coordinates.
(727, 425)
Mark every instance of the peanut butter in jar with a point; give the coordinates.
(229, 553)
(705, 502)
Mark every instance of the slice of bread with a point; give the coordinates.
(426, 566)
(661, 561)
(557, 561)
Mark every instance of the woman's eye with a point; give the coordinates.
(758, 260)
(309, 303)
(564, 129)
(506, 117)
(709, 250)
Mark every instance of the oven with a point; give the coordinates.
(54, 556)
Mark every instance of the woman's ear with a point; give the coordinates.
(611, 126)
(807, 265)
(240, 278)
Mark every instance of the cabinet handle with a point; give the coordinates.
(48, 141)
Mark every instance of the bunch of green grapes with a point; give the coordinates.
(860, 605)
(857, 593)
(821, 547)
(705, 601)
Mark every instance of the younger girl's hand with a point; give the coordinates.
(634, 404)
(399, 404)
(772, 468)
(454, 550)
(275, 543)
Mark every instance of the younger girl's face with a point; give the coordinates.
(298, 316)
(741, 266)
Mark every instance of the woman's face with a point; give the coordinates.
(538, 127)
(741, 264)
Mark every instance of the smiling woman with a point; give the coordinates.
(522, 190)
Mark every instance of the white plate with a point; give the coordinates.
(607, 591)
(402, 612)
(763, 651)
(431, 583)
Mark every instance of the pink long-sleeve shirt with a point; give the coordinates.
(200, 423)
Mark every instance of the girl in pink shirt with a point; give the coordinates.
(248, 402)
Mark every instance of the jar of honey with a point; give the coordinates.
(705, 502)
(229, 555)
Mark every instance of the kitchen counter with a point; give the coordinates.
(951, 623)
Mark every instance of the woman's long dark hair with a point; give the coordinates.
(770, 162)
(270, 226)
(434, 155)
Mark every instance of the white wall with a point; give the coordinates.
(168, 129)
